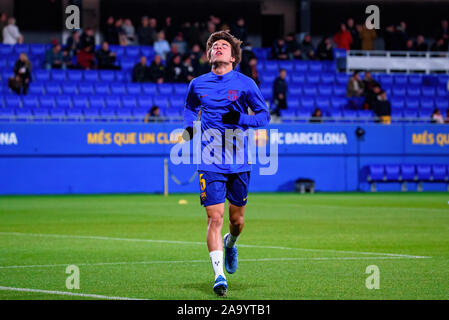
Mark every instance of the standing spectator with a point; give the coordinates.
(121, 37)
(211, 28)
(3, 21)
(371, 97)
(73, 43)
(367, 37)
(307, 49)
(420, 44)
(11, 33)
(169, 29)
(250, 69)
(325, 50)
(88, 40)
(293, 49)
(110, 34)
(53, 58)
(157, 70)
(355, 86)
(369, 83)
(238, 29)
(382, 108)
(280, 90)
(180, 42)
(145, 33)
(389, 37)
(141, 71)
(106, 58)
(343, 38)
(161, 46)
(188, 69)
(129, 32)
(438, 45)
(356, 44)
(153, 25)
(279, 50)
(22, 75)
(402, 36)
(193, 34)
(437, 117)
(317, 116)
(174, 72)
(443, 33)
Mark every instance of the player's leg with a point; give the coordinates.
(236, 223)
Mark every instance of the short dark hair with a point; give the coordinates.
(235, 43)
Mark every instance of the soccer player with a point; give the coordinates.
(224, 96)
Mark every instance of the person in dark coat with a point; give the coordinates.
(280, 90)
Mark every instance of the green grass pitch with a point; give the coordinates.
(293, 247)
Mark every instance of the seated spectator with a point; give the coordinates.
(409, 45)
(85, 58)
(367, 37)
(53, 58)
(437, 117)
(439, 46)
(129, 32)
(317, 116)
(157, 70)
(443, 33)
(355, 86)
(141, 72)
(161, 46)
(153, 115)
(145, 33)
(307, 49)
(382, 108)
(238, 29)
(280, 90)
(371, 97)
(106, 58)
(22, 75)
(67, 60)
(369, 83)
(325, 51)
(173, 52)
(175, 72)
(343, 38)
(203, 65)
(293, 49)
(11, 33)
(195, 53)
(279, 50)
(180, 43)
(189, 70)
(420, 44)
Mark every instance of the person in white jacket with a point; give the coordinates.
(11, 33)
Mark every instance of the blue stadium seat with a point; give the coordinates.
(6, 74)
(335, 114)
(412, 103)
(90, 75)
(74, 114)
(294, 90)
(425, 115)
(268, 77)
(6, 50)
(145, 102)
(287, 65)
(325, 90)
(119, 50)
(427, 103)
(342, 78)
(442, 91)
(313, 78)
(112, 102)
(30, 102)
(139, 114)
(376, 172)
(288, 113)
(439, 172)
(23, 114)
(80, 102)
(271, 65)
(399, 90)
(413, 91)
(304, 114)
(127, 64)
(129, 102)
(132, 52)
(47, 102)
(366, 115)
(410, 114)
(177, 101)
(133, 88)
(400, 79)
(292, 102)
(442, 103)
(307, 102)
(75, 75)
(180, 89)
(52, 88)
(91, 114)
(19, 48)
(309, 90)
(338, 102)
(58, 75)
(443, 79)
(161, 101)
(42, 75)
(267, 90)
(37, 49)
(4, 63)
(423, 172)
(63, 102)
(392, 172)
(124, 114)
(396, 114)
(322, 102)
(58, 114)
(118, 88)
(301, 66)
(69, 88)
(397, 103)
(315, 66)
(12, 102)
(298, 78)
(40, 114)
(147, 51)
(96, 102)
(165, 88)
(101, 88)
(106, 75)
(108, 114)
(85, 88)
(350, 115)
(173, 112)
(327, 78)
(415, 79)
(122, 76)
(149, 88)
(386, 79)
(428, 91)
(339, 90)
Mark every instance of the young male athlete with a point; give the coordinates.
(223, 95)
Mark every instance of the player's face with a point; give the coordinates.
(221, 52)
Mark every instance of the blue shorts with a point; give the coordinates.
(216, 187)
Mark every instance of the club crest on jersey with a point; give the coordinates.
(233, 95)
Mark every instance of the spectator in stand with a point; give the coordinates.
(129, 32)
(203, 66)
(73, 43)
(141, 72)
(420, 44)
(86, 58)
(180, 43)
(249, 69)
(211, 28)
(153, 115)
(238, 29)
(106, 58)
(402, 35)
(192, 33)
(352, 28)
(110, 33)
(22, 75)
(3, 22)
(11, 33)
(67, 60)
(447, 116)
(371, 97)
(325, 50)
(293, 48)
(307, 49)
(367, 37)
(88, 40)
(53, 58)
(174, 72)
(169, 29)
(368, 82)
(145, 33)
(188, 69)
(280, 90)
(437, 117)
(438, 46)
(389, 37)
(355, 86)
(173, 52)
(382, 108)
(443, 33)
(157, 70)
(317, 116)
(195, 53)
(409, 45)
(161, 46)
(121, 37)
(343, 38)
(279, 50)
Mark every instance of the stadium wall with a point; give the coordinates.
(65, 158)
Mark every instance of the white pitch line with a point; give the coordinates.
(202, 243)
(197, 261)
(65, 293)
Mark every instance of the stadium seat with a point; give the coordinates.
(75, 75)
(315, 66)
(271, 65)
(339, 90)
(411, 115)
(385, 80)
(439, 172)
(338, 102)
(96, 102)
(80, 102)
(52, 88)
(147, 51)
(112, 102)
(423, 172)
(407, 172)
(85, 88)
(287, 65)
(427, 103)
(400, 79)
(180, 89)
(21, 48)
(325, 90)
(165, 88)
(442, 91)
(289, 113)
(12, 102)
(442, 103)
(428, 91)
(366, 115)
(292, 102)
(313, 78)
(106, 75)
(267, 90)
(413, 91)
(58, 114)
(139, 114)
(127, 64)
(149, 88)
(177, 101)
(414, 79)
(40, 114)
(30, 102)
(91, 114)
(101, 88)
(161, 101)
(23, 114)
(47, 102)
(37, 49)
(307, 102)
(108, 114)
(342, 78)
(327, 78)
(63, 102)
(132, 52)
(397, 103)
(74, 114)
(133, 88)
(69, 88)
(294, 90)
(301, 66)
(42, 75)
(412, 103)
(399, 90)
(118, 88)
(58, 75)
(309, 90)
(392, 172)
(350, 115)
(145, 102)
(268, 77)
(322, 102)
(298, 78)
(376, 172)
(90, 75)
(129, 102)
(425, 115)
(124, 114)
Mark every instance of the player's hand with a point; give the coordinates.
(231, 117)
(187, 134)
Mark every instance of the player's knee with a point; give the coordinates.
(215, 221)
(237, 221)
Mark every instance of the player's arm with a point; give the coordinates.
(191, 109)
